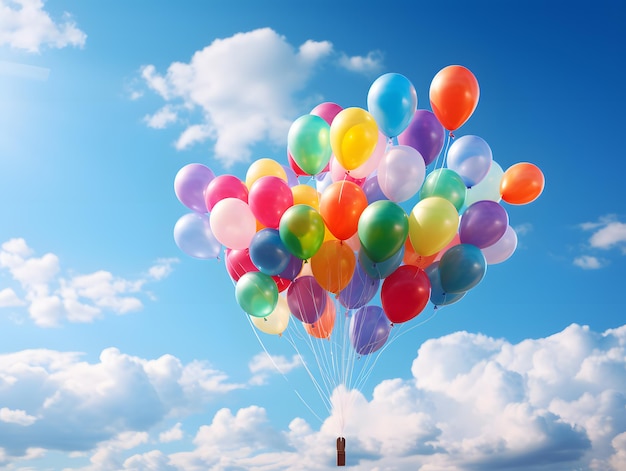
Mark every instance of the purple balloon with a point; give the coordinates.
(372, 190)
(292, 178)
(360, 290)
(294, 267)
(306, 299)
(190, 184)
(483, 223)
(424, 133)
(369, 329)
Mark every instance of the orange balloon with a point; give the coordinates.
(323, 327)
(454, 94)
(333, 265)
(341, 205)
(522, 183)
(411, 257)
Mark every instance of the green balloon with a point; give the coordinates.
(383, 229)
(447, 184)
(257, 293)
(308, 142)
(302, 230)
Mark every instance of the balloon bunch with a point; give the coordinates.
(343, 234)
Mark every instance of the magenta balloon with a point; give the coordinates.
(306, 299)
(483, 223)
(424, 133)
(269, 198)
(225, 186)
(327, 111)
(502, 249)
(190, 185)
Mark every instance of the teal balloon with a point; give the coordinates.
(447, 184)
(308, 142)
(382, 230)
(461, 268)
(383, 269)
(437, 295)
(257, 294)
(392, 101)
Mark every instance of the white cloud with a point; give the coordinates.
(264, 364)
(588, 262)
(52, 298)
(607, 233)
(16, 416)
(172, 435)
(243, 90)
(162, 118)
(24, 24)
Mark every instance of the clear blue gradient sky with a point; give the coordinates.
(118, 351)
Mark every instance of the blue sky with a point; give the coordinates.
(118, 351)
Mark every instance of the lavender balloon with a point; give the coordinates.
(503, 249)
(360, 290)
(306, 299)
(190, 184)
(483, 223)
(470, 157)
(369, 329)
(372, 190)
(193, 235)
(425, 134)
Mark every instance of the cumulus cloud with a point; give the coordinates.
(263, 364)
(24, 24)
(473, 402)
(51, 297)
(243, 90)
(57, 401)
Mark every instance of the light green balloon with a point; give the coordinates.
(256, 294)
(446, 184)
(308, 142)
(302, 230)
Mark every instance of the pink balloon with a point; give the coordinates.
(339, 174)
(225, 186)
(327, 111)
(233, 223)
(269, 198)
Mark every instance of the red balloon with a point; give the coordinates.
(454, 94)
(238, 263)
(405, 293)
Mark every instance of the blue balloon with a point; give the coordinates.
(380, 270)
(193, 235)
(437, 294)
(369, 329)
(461, 268)
(360, 291)
(392, 101)
(268, 253)
(470, 157)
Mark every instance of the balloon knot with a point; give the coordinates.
(265, 319)
(451, 135)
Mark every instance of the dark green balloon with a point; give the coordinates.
(383, 229)
(447, 184)
(257, 294)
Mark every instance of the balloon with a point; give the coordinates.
(360, 290)
(488, 188)
(268, 253)
(333, 265)
(306, 299)
(294, 166)
(392, 100)
(369, 329)
(327, 111)
(483, 223)
(340, 174)
(383, 228)
(302, 230)
(277, 321)
(454, 94)
(372, 190)
(306, 194)
(308, 142)
(233, 223)
(190, 184)
(522, 183)
(411, 257)
(425, 134)
(502, 249)
(433, 222)
(401, 173)
(341, 206)
(238, 263)
(264, 168)
(461, 268)
(445, 183)
(323, 327)
(193, 235)
(281, 283)
(256, 294)
(292, 176)
(293, 269)
(437, 295)
(353, 137)
(371, 164)
(470, 157)
(382, 269)
(222, 187)
(269, 198)
(456, 240)
(405, 293)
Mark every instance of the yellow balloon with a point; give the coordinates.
(333, 265)
(264, 168)
(306, 194)
(353, 137)
(277, 321)
(433, 222)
